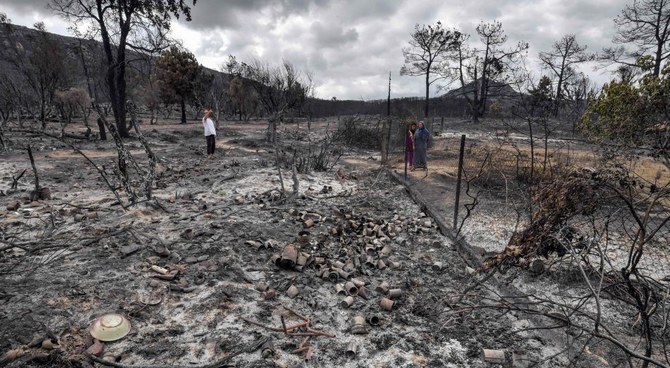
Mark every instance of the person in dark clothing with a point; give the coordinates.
(409, 146)
(421, 147)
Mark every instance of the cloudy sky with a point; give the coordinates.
(350, 46)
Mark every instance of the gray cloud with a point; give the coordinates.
(351, 45)
(333, 35)
(20, 6)
(235, 14)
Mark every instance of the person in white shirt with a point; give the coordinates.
(210, 133)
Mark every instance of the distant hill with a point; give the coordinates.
(83, 56)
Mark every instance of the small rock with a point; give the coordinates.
(13, 205)
(129, 249)
(203, 258)
(162, 251)
(252, 243)
(187, 234)
(96, 349)
(292, 291)
(191, 260)
(49, 344)
(79, 218)
(239, 200)
(34, 204)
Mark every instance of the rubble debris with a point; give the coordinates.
(40, 194)
(187, 234)
(96, 349)
(351, 288)
(110, 327)
(292, 291)
(162, 251)
(351, 351)
(12, 355)
(373, 319)
(13, 205)
(109, 357)
(383, 287)
(267, 349)
(386, 304)
(347, 302)
(129, 249)
(395, 293)
(289, 257)
(363, 292)
(340, 290)
(159, 269)
(49, 344)
(494, 356)
(302, 329)
(537, 266)
(349, 239)
(359, 326)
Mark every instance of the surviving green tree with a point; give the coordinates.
(120, 24)
(632, 115)
(177, 71)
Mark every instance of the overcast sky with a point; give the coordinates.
(350, 46)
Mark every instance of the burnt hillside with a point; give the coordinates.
(83, 59)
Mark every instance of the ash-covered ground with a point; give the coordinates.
(216, 226)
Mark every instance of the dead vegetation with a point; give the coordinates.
(301, 266)
(188, 267)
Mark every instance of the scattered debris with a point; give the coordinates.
(13, 205)
(110, 327)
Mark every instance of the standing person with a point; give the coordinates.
(409, 146)
(210, 133)
(421, 147)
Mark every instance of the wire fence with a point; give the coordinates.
(501, 173)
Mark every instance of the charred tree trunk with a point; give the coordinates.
(101, 128)
(3, 145)
(425, 112)
(183, 110)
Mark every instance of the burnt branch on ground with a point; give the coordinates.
(575, 221)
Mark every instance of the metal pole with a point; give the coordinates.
(458, 182)
(389, 151)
